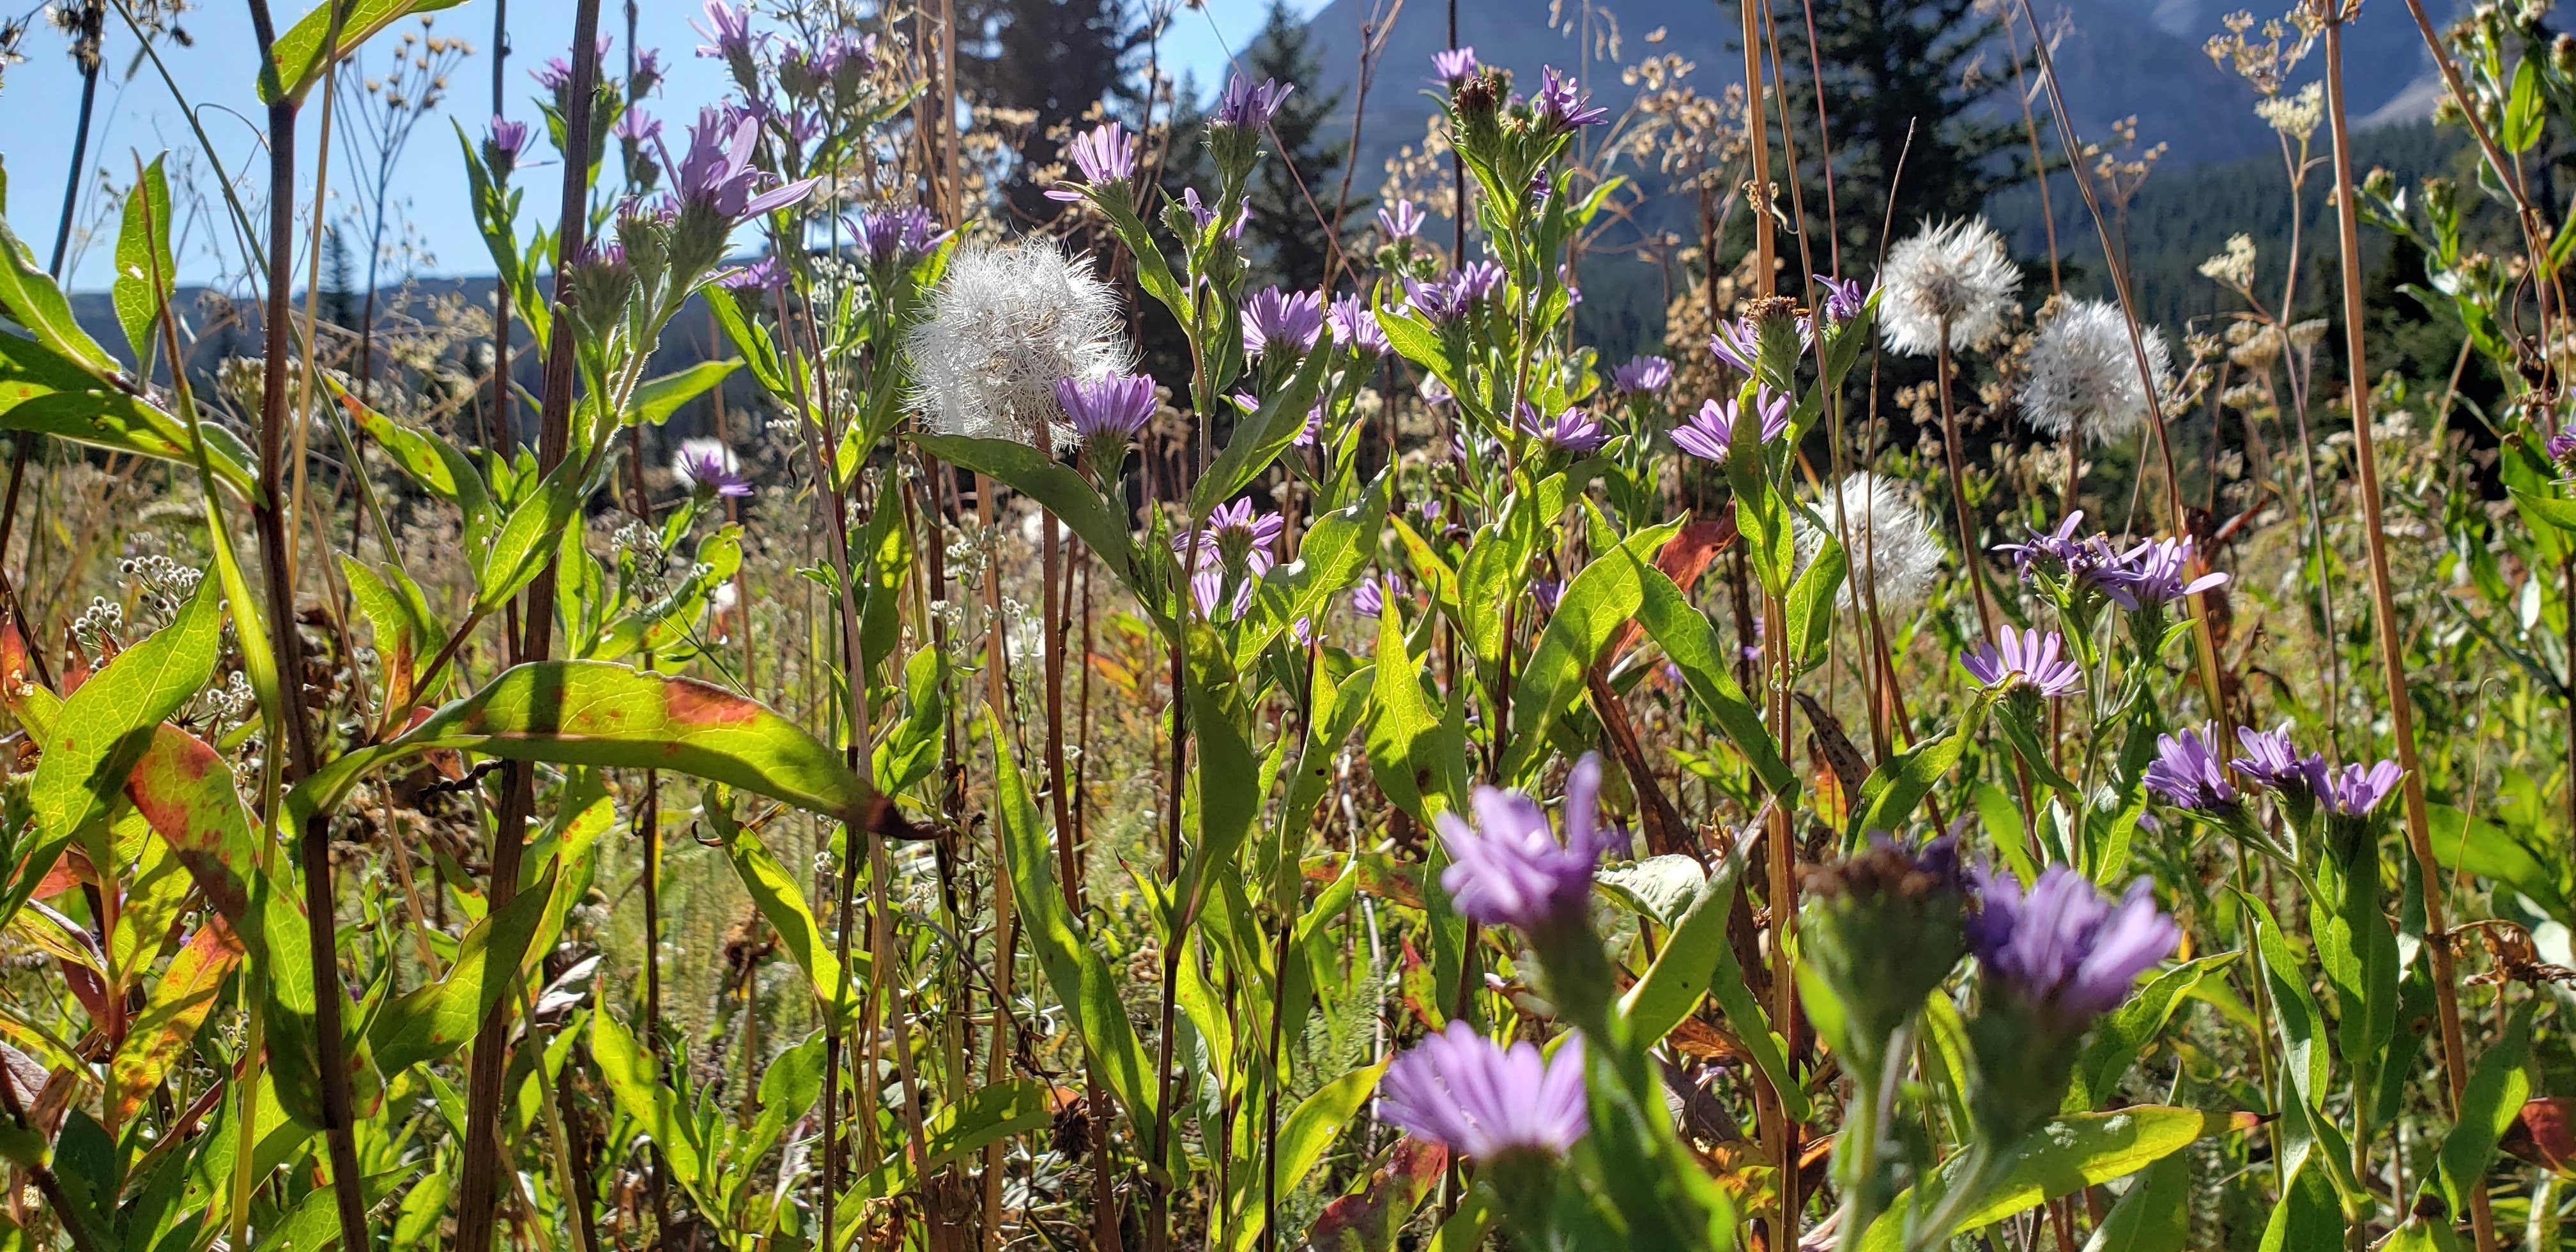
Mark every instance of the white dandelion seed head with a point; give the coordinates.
(1956, 273)
(2084, 374)
(1888, 544)
(1005, 322)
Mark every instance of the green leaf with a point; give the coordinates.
(2123, 1033)
(1598, 605)
(656, 399)
(1890, 793)
(1680, 975)
(2497, 1088)
(1690, 643)
(781, 901)
(2524, 107)
(144, 270)
(629, 1073)
(1303, 1139)
(1036, 475)
(1410, 752)
(527, 537)
(34, 301)
(105, 726)
(986, 1116)
(1080, 977)
(430, 1022)
(607, 715)
(2490, 851)
(2155, 1216)
(1260, 438)
(42, 392)
(2058, 1159)
(300, 58)
(1810, 606)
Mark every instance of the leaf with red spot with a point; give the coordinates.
(179, 1003)
(1371, 1216)
(611, 716)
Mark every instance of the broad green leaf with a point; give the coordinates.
(144, 270)
(656, 399)
(527, 536)
(43, 393)
(105, 726)
(300, 57)
(1261, 437)
(1690, 643)
(2062, 1157)
(35, 301)
(1598, 605)
(781, 901)
(429, 1022)
(1303, 1139)
(1692, 950)
(1409, 750)
(629, 1073)
(607, 715)
(2155, 1216)
(1891, 792)
(2498, 1086)
(2123, 1033)
(1035, 474)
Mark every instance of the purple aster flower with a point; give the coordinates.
(2186, 773)
(708, 467)
(1474, 1097)
(1547, 592)
(1312, 431)
(2024, 659)
(717, 174)
(896, 236)
(2561, 446)
(1844, 298)
(1401, 219)
(1438, 301)
(1105, 154)
(761, 276)
(508, 140)
(1572, 431)
(1247, 107)
(648, 70)
(1435, 392)
(1355, 326)
(1642, 376)
(1508, 868)
(1738, 343)
(1479, 280)
(1369, 599)
(1274, 317)
(1236, 535)
(1114, 407)
(2354, 790)
(1561, 106)
(1709, 433)
(637, 125)
(727, 30)
(2059, 545)
(2064, 947)
(1203, 214)
(1452, 66)
(2153, 574)
(2273, 762)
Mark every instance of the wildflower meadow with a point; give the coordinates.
(1668, 656)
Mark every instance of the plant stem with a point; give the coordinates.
(2383, 602)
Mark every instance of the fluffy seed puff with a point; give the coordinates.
(1005, 323)
(2083, 375)
(1888, 545)
(1956, 274)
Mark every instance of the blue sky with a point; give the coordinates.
(41, 99)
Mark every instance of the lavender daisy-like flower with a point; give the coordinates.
(1354, 326)
(1369, 598)
(760, 277)
(2024, 659)
(1949, 280)
(2059, 545)
(1277, 318)
(1844, 298)
(1106, 156)
(1547, 593)
(1452, 66)
(1112, 407)
(2186, 773)
(1474, 1097)
(1508, 868)
(1560, 103)
(1400, 219)
(1439, 301)
(1738, 343)
(1247, 107)
(2274, 762)
(1644, 375)
(1479, 280)
(708, 466)
(1236, 536)
(2153, 574)
(508, 140)
(1709, 433)
(2354, 790)
(2561, 447)
(2063, 947)
(1572, 431)
(897, 237)
(727, 30)
(638, 126)
(717, 176)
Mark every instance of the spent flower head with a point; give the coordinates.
(1005, 323)
(1948, 283)
(1888, 544)
(2083, 377)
